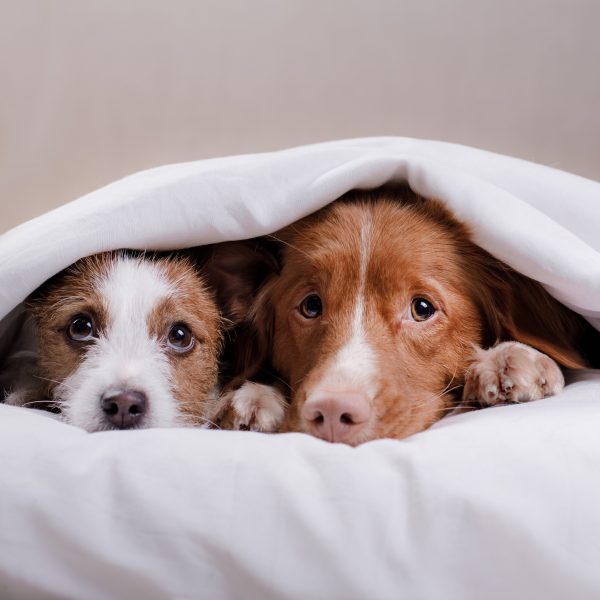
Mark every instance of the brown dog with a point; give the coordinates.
(373, 317)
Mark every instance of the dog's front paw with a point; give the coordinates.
(30, 397)
(255, 407)
(511, 372)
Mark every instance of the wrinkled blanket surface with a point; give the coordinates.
(501, 503)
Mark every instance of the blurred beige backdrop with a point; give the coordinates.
(92, 90)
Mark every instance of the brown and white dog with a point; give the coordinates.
(125, 341)
(376, 320)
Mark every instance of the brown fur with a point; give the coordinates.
(65, 295)
(74, 291)
(194, 374)
(417, 249)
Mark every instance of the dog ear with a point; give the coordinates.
(239, 273)
(236, 271)
(250, 356)
(519, 308)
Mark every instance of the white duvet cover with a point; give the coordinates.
(501, 503)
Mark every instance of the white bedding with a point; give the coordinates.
(502, 503)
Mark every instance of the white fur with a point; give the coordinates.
(125, 356)
(354, 367)
(261, 406)
(511, 372)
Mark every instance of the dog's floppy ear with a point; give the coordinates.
(518, 308)
(235, 271)
(239, 273)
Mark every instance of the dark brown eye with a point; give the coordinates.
(180, 338)
(311, 307)
(81, 329)
(421, 309)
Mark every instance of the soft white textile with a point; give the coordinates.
(502, 503)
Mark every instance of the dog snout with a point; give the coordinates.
(336, 416)
(124, 409)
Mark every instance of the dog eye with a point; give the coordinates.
(180, 338)
(421, 309)
(311, 307)
(81, 329)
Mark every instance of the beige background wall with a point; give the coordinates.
(91, 90)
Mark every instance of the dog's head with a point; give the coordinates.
(127, 341)
(374, 313)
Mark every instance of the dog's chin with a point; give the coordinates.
(352, 441)
(107, 426)
(364, 433)
(95, 422)
(99, 423)
(372, 430)
(78, 411)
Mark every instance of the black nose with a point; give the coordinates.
(125, 409)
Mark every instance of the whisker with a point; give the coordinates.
(436, 397)
(209, 422)
(274, 237)
(54, 381)
(191, 410)
(287, 385)
(37, 402)
(299, 381)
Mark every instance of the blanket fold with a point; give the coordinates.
(500, 503)
(541, 221)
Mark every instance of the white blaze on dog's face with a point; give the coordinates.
(128, 342)
(371, 320)
(373, 317)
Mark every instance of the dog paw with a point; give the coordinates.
(255, 407)
(511, 372)
(30, 397)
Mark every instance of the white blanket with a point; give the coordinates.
(502, 503)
